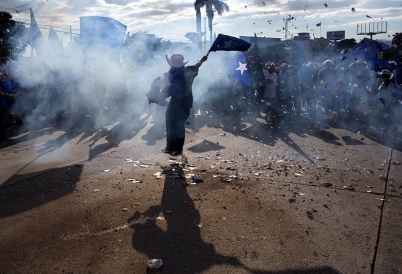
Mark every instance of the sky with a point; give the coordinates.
(172, 19)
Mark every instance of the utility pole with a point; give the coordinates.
(287, 20)
(205, 30)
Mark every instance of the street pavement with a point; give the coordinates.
(244, 198)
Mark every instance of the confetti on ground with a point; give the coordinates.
(134, 180)
(158, 175)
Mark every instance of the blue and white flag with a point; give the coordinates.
(53, 40)
(240, 69)
(36, 40)
(367, 49)
(101, 31)
(229, 43)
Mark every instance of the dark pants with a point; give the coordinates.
(293, 97)
(271, 107)
(175, 128)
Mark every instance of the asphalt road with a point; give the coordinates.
(246, 198)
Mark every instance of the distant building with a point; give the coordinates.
(302, 36)
(300, 47)
(262, 41)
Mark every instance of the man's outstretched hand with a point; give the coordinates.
(203, 59)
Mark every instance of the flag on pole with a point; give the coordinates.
(318, 25)
(54, 45)
(101, 31)
(367, 49)
(53, 40)
(36, 40)
(229, 43)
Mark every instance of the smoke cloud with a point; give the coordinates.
(96, 89)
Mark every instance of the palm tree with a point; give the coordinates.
(219, 6)
(198, 4)
(397, 40)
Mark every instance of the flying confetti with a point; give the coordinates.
(326, 5)
(368, 16)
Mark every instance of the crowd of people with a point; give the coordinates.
(350, 91)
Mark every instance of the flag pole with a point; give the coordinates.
(209, 51)
(205, 30)
(210, 48)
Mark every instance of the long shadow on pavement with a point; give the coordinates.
(40, 188)
(180, 244)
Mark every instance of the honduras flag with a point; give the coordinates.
(367, 49)
(36, 40)
(101, 31)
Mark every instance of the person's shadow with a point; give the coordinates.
(178, 242)
(180, 247)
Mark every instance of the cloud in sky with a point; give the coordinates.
(173, 18)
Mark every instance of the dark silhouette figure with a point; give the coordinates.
(181, 247)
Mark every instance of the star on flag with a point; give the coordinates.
(242, 67)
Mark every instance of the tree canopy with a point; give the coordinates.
(397, 40)
(12, 42)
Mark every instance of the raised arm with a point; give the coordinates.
(203, 59)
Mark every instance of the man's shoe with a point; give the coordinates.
(176, 153)
(165, 150)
